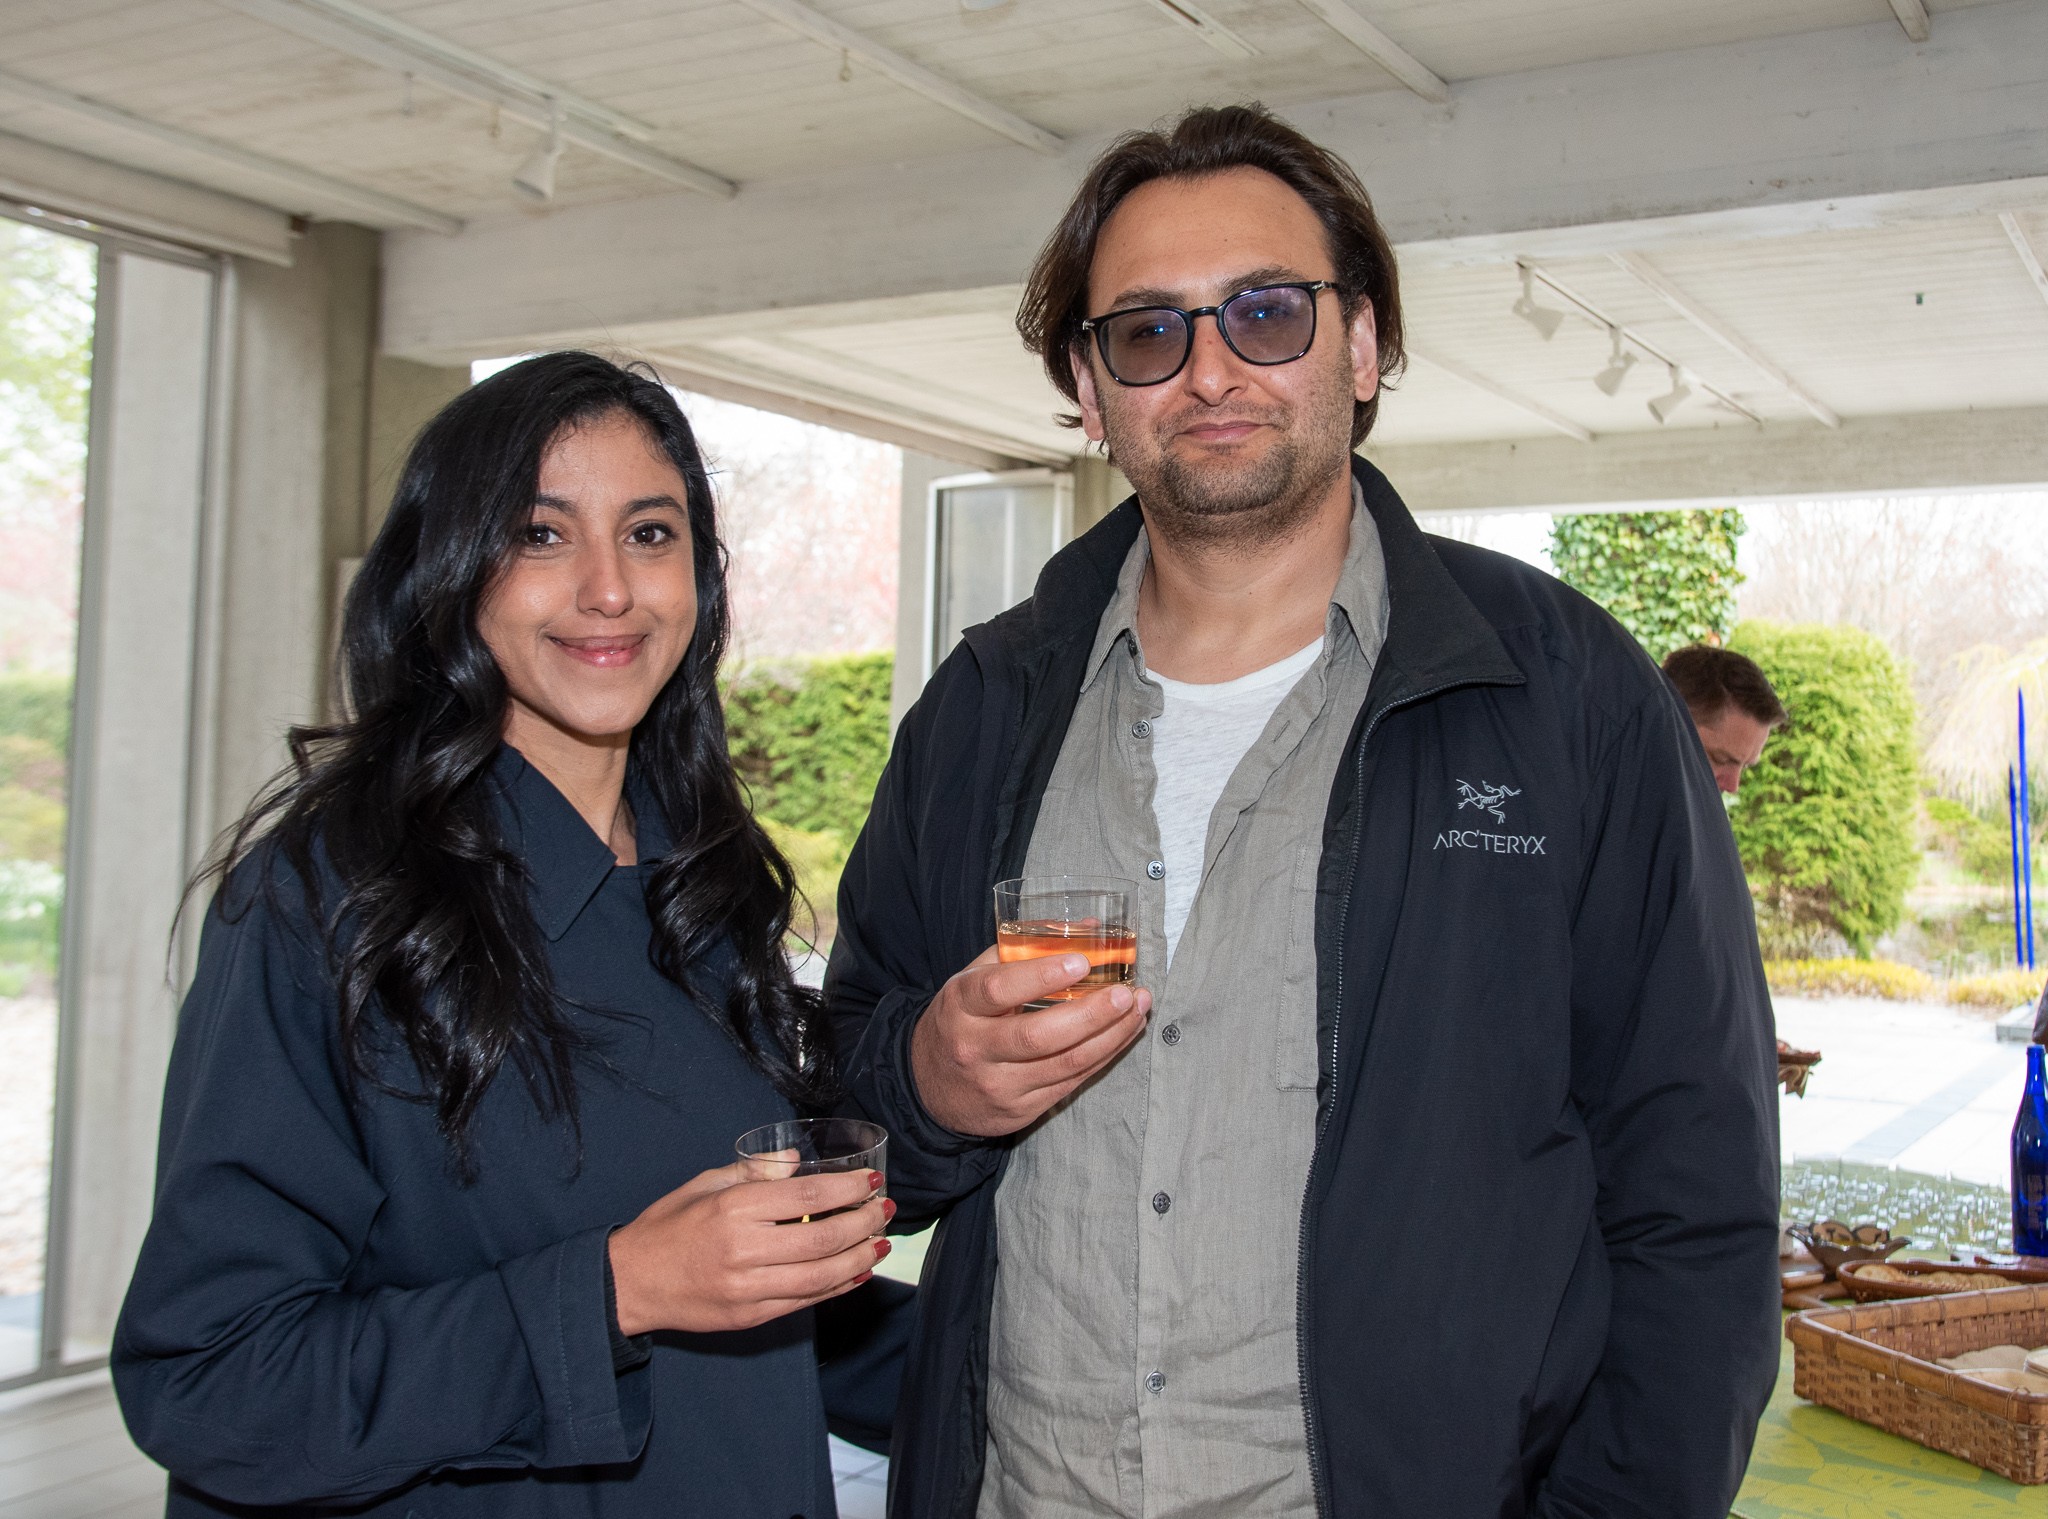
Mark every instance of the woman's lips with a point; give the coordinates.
(606, 653)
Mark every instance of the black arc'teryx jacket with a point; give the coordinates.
(1537, 1270)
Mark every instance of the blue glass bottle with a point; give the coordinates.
(2030, 1161)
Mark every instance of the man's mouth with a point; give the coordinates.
(1217, 430)
(607, 653)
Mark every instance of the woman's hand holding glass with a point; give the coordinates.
(725, 1251)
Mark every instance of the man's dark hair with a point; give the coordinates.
(1207, 141)
(1709, 679)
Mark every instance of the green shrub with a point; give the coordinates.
(1980, 846)
(1825, 822)
(818, 860)
(1668, 577)
(32, 765)
(37, 707)
(31, 909)
(809, 739)
(31, 826)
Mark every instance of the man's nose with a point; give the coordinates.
(1214, 369)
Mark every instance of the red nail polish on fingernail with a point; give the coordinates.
(882, 1248)
(865, 1276)
(888, 1208)
(875, 1181)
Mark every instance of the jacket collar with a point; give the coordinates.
(565, 861)
(1436, 637)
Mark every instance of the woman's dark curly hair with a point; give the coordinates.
(432, 935)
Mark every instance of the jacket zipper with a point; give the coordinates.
(1318, 1485)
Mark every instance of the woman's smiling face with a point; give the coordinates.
(594, 609)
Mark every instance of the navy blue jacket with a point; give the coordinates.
(322, 1315)
(1537, 1270)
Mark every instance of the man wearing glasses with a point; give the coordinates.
(1431, 1167)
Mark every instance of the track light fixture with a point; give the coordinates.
(535, 179)
(1618, 365)
(1663, 406)
(1542, 318)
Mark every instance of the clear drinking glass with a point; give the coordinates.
(809, 1146)
(1056, 915)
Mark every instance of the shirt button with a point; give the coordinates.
(1141, 729)
(1161, 1202)
(1155, 1381)
(1170, 1034)
(1156, 870)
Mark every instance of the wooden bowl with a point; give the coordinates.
(1865, 1290)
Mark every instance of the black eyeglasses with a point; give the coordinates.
(1149, 345)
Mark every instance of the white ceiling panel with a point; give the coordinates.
(743, 96)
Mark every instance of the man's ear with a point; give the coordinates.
(1081, 358)
(1365, 353)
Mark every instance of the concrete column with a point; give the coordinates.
(129, 849)
(403, 398)
(912, 581)
(1099, 488)
(270, 616)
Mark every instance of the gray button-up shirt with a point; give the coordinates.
(1142, 1355)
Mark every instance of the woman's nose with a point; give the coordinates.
(605, 588)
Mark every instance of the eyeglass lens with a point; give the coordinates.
(1146, 346)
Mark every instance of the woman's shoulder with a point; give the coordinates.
(279, 894)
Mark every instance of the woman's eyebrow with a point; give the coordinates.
(637, 504)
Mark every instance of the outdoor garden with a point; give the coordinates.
(1876, 830)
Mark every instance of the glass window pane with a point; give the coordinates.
(992, 542)
(46, 329)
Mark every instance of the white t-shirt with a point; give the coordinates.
(1200, 735)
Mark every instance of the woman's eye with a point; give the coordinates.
(537, 535)
(649, 534)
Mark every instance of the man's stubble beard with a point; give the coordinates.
(1235, 505)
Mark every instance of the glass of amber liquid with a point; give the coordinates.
(1058, 915)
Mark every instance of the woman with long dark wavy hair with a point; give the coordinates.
(493, 979)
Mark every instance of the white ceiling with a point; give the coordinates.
(739, 94)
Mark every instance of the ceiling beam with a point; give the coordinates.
(687, 366)
(2025, 249)
(1912, 16)
(1499, 392)
(1656, 280)
(1634, 338)
(427, 47)
(898, 69)
(1342, 19)
(294, 188)
(595, 128)
(681, 371)
(1187, 14)
(58, 181)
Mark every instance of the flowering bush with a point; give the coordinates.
(1851, 978)
(2001, 990)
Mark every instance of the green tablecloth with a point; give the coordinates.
(1814, 1463)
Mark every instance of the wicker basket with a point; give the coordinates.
(1876, 1364)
